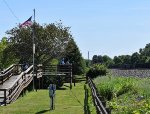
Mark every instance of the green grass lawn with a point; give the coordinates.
(67, 102)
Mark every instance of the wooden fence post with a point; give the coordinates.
(74, 80)
(2, 79)
(5, 96)
(71, 77)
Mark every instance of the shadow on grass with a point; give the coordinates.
(61, 88)
(80, 79)
(86, 106)
(67, 86)
(43, 111)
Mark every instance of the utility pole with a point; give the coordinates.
(88, 58)
(33, 46)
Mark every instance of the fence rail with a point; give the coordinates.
(64, 71)
(7, 73)
(97, 99)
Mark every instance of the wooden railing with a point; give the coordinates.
(60, 70)
(39, 71)
(3, 97)
(16, 87)
(12, 93)
(97, 99)
(7, 73)
(57, 70)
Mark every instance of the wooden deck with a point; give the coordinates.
(8, 84)
(13, 81)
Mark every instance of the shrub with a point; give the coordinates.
(97, 70)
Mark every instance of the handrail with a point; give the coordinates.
(57, 69)
(6, 73)
(6, 70)
(99, 105)
(30, 68)
(13, 91)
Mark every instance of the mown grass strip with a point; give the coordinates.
(67, 102)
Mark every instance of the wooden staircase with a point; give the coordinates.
(13, 82)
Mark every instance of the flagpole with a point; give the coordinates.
(33, 46)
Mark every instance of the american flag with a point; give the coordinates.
(26, 23)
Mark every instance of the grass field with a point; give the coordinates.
(67, 102)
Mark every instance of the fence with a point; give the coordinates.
(99, 102)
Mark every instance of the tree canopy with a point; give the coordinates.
(139, 59)
(73, 55)
(50, 42)
(3, 45)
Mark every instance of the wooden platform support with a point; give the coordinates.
(60, 70)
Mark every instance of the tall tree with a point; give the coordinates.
(73, 55)
(95, 59)
(107, 60)
(100, 59)
(145, 51)
(135, 59)
(3, 45)
(117, 61)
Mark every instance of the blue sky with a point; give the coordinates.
(102, 27)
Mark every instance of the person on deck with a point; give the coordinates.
(25, 66)
(62, 61)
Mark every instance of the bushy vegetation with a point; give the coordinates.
(97, 70)
(126, 95)
(99, 59)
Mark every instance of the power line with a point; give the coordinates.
(11, 11)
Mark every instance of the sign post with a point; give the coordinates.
(52, 89)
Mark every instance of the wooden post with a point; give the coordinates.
(74, 80)
(5, 97)
(25, 90)
(36, 84)
(16, 72)
(22, 92)
(2, 79)
(39, 83)
(71, 77)
(42, 82)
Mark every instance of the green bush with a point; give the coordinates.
(97, 70)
